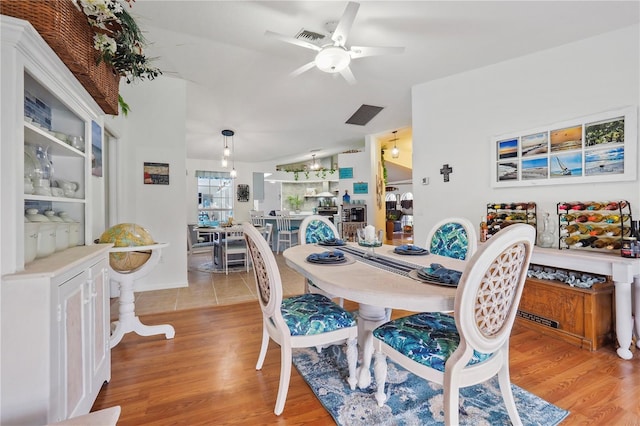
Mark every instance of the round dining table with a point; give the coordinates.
(375, 289)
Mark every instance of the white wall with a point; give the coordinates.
(455, 117)
(155, 132)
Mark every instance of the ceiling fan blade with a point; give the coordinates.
(292, 40)
(304, 68)
(341, 33)
(362, 51)
(348, 75)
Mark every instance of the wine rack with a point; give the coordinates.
(501, 215)
(593, 225)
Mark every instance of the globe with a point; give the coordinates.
(127, 235)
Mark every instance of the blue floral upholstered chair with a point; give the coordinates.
(472, 345)
(307, 320)
(315, 229)
(453, 237)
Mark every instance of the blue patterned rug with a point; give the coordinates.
(413, 401)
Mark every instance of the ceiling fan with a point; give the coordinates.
(335, 57)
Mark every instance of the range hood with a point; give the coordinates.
(325, 194)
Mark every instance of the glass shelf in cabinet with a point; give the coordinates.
(39, 137)
(32, 197)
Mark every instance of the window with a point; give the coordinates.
(215, 196)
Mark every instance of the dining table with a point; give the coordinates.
(378, 280)
(217, 235)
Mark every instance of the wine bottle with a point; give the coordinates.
(569, 230)
(594, 206)
(635, 235)
(595, 217)
(484, 230)
(570, 241)
(616, 244)
(613, 230)
(630, 243)
(601, 243)
(586, 242)
(596, 231)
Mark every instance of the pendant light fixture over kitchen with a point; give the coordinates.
(314, 164)
(228, 151)
(395, 152)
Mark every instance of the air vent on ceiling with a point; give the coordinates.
(364, 114)
(310, 36)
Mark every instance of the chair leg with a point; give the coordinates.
(352, 360)
(263, 348)
(451, 402)
(507, 395)
(380, 373)
(285, 377)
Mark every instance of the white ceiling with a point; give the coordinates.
(238, 78)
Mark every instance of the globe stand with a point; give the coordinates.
(127, 320)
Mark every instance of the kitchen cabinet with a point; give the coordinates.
(55, 336)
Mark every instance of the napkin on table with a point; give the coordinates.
(409, 247)
(445, 275)
(334, 255)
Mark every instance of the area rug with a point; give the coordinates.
(216, 269)
(412, 401)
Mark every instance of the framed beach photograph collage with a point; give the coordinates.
(596, 148)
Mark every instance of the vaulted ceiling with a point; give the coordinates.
(239, 79)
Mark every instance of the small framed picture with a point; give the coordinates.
(243, 192)
(156, 173)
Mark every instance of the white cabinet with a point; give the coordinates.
(35, 79)
(54, 353)
(55, 336)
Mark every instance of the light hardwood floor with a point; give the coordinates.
(206, 375)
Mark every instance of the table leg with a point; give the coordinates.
(624, 320)
(369, 317)
(128, 321)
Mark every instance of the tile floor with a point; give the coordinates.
(211, 289)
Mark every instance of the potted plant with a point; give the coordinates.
(296, 202)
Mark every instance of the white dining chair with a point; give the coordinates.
(306, 320)
(234, 250)
(257, 218)
(453, 237)
(201, 246)
(286, 232)
(268, 233)
(314, 229)
(472, 345)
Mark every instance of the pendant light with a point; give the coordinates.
(314, 165)
(228, 151)
(395, 152)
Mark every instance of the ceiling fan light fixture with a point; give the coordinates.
(332, 59)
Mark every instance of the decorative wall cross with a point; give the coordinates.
(446, 171)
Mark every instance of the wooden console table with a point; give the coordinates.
(625, 274)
